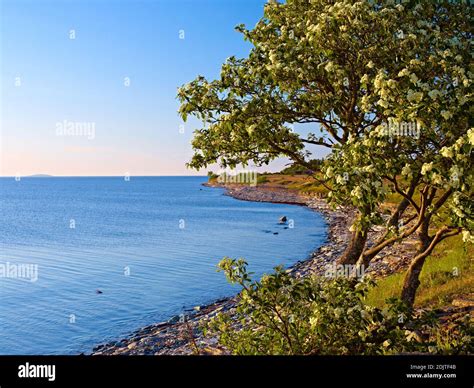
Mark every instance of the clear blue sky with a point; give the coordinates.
(81, 80)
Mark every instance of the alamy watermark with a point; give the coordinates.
(401, 129)
(33, 371)
(344, 270)
(76, 128)
(19, 271)
(248, 177)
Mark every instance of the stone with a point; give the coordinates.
(174, 319)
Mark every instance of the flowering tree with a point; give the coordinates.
(423, 152)
(434, 181)
(348, 67)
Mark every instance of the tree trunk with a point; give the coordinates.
(427, 244)
(412, 280)
(423, 236)
(354, 249)
(395, 219)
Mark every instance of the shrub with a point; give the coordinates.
(212, 176)
(296, 169)
(283, 315)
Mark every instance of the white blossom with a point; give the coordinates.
(427, 167)
(470, 136)
(414, 96)
(446, 115)
(434, 94)
(447, 152)
(406, 170)
(357, 192)
(403, 73)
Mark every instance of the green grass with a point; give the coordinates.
(439, 281)
(309, 187)
(393, 198)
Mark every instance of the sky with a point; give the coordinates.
(88, 87)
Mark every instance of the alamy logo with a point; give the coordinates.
(401, 129)
(37, 371)
(19, 271)
(76, 128)
(344, 270)
(241, 177)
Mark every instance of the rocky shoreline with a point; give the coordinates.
(181, 335)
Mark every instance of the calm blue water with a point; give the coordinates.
(134, 225)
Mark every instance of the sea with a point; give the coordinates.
(85, 260)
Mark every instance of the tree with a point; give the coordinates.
(306, 66)
(348, 67)
(424, 152)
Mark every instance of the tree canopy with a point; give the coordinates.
(356, 70)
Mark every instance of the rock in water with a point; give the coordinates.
(283, 219)
(174, 319)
